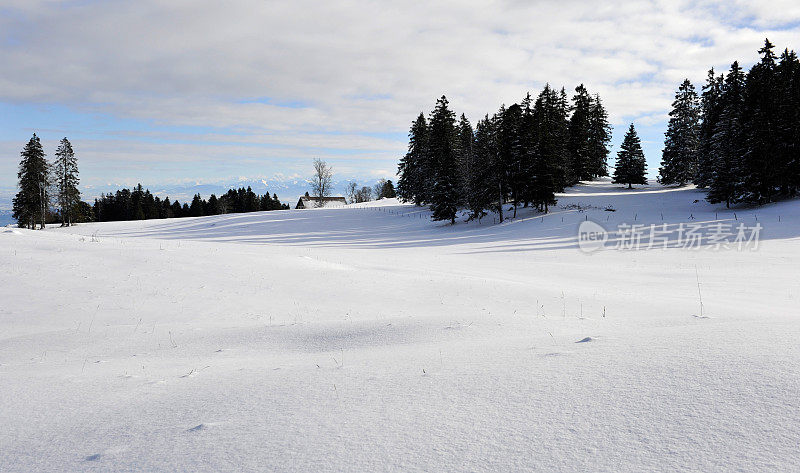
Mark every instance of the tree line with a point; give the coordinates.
(524, 154)
(740, 139)
(48, 193)
(141, 204)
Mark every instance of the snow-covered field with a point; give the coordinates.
(372, 339)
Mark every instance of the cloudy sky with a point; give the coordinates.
(193, 90)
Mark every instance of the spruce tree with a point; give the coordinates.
(709, 115)
(631, 165)
(727, 141)
(66, 176)
(526, 181)
(213, 205)
(31, 203)
(480, 187)
(580, 163)
(177, 209)
(512, 151)
(599, 137)
(137, 203)
(196, 207)
(413, 168)
(788, 103)
(149, 205)
(681, 148)
(442, 152)
(465, 142)
(551, 132)
(760, 126)
(564, 174)
(166, 208)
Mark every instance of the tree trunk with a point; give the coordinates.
(500, 187)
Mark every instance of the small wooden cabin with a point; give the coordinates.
(309, 202)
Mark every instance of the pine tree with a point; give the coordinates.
(631, 165)
(599, 138)
(177, 209)
(580, 163)
(788, 103)
(66, 176)
(480, 189)
(442, 151)
(413, 168)
(31, 203)
(512, 151)
(681, 147)
(465, 148)
(526, 179)
(196, 207)
(166, 208)
(251, 202)
(149, 205)
(760, 126)
(727, 141)
(564, 175)
(137, 203)
(709, 114)
(551, 133)
(213, 205)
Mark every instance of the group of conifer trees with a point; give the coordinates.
(740, 139)
(523, 154)
(42, 183)
(48, 193)
(141, 204)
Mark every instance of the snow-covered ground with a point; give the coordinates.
(369, 338)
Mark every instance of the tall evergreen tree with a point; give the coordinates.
(30, 205)
(631, 165)
(760, 126)
(598, 139)
(788, 103)
(66, 176)
(465, 149)
(480, 190)
(196, 207)
(727, 141)
(413, 169)
(681, 147)
(442, 150)
(512, 151)
(551, 136)
(137, 203)
(151, 210)
(580, 165)
(526, 178)
(709, 115)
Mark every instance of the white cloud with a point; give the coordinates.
(359, 67)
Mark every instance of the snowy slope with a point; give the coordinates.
(370, 338)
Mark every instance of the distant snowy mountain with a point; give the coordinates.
(5, 218)
(287, 189)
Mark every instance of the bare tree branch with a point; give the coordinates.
(322, 181)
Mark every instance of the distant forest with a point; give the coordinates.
(140, 204)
